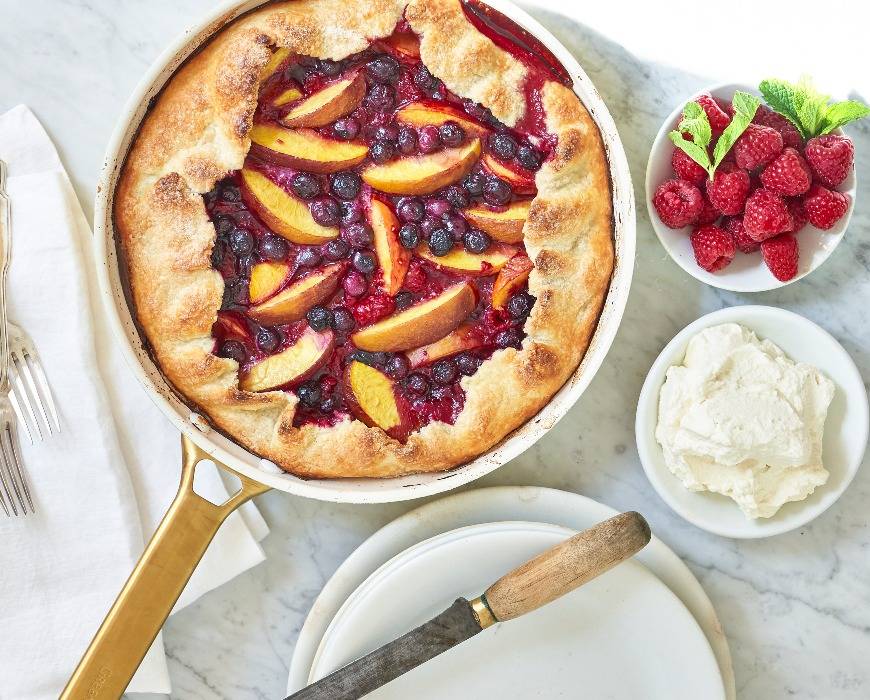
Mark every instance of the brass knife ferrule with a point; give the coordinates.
(482, 612)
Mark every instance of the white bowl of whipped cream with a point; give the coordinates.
(752, 421)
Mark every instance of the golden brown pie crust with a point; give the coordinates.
(196, 133)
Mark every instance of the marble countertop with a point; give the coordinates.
(796, 608)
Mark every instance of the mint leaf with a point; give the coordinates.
(812, 106)
(780, 96)
(745, 106)
(693, 150)
(696, 124)
(841, 113)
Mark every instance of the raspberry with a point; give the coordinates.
(830, 157)
(798, 213)
(825, 207)
(766, 215)
(728, 188)
(787, 174)
(678, 203)
(708, 214)
(757, 146)
(790, 135)
(372, 309)
(687, 169)
(717, 117)
(734, 227)
(713, 247)
(780, 254)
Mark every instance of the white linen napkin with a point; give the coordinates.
(101, 485)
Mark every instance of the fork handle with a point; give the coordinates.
(155, 584)
(5, 257)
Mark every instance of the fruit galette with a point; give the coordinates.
(367, 238)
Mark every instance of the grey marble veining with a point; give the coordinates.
(796, 607)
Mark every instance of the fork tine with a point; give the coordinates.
(17, 389)
(2, 497)
(4, 466)
(10, 440)
(23, 369)
(12, 467)
(44, 387)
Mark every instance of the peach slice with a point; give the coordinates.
(305, 149)
(233, 325)
(393, 257)
(419, 114)
(521, 182)
(404, 43)
(286, 97)
(292, 303)
(477, 264)
(372, 398)
(282, 212)
(274, 63)
(423, 174)
(266, 279)
(510, 279)
(463, 338)
(505, 225)
(420, 324)
(297, 362)
(328, 104)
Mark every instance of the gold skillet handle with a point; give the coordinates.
(155, 584)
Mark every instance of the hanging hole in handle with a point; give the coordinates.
(209, 484)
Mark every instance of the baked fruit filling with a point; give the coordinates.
(372, 245)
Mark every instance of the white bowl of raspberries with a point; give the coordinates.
(781, 192)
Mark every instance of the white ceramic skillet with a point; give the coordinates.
(191, 522)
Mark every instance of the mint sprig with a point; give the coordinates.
(809, 110)
(697, 125)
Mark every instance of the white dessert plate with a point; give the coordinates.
(623, 635)
(746, 273)
(846, 427)
(484, 506)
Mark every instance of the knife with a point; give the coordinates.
(539, 581)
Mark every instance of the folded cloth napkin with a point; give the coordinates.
(101, 485)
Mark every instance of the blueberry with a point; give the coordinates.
(351, 211)
(509, 339)
(520, 304)
(407, 141)
(354, 284)
(475, 110)
(325, 211)
(345, 185)
(381, 98)
(328, 67)
(383, 69)
(328, 405)
(241, 241)
(454, 223)
(496, 191)
(358, 235)
(473, 183)
(387, 132)
(397, 367)
(529, 157)
(363, 262)
(309, 257)
(231, 193)
(467, 364)
(429, 139)
(429, 224)
(369, 358)
(440, 242)
(403, 300)
(336, 250)
(342, 319)
(457, 197)
(305, 185)
(309, 394)
(382, 151)
(410, 209)
(451, 133)
(417, 383)
(503, 145)
(409, 235)
(423, 79)
(223, 225)
(437, 207)
(347, 128)
(319, 317)
(476, 241)
(273, 248)
(218, 251)
(268, 339)
(444, 372)
(233, 350)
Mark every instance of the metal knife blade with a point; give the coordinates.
(442, 632)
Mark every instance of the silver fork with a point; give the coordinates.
(11, 471)
(30, 386)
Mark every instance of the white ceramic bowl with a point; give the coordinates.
(746, 273)
(846, 428)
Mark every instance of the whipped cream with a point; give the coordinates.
(738, 417)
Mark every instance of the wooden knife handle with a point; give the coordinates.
(566, 566)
